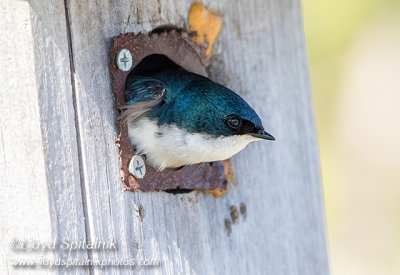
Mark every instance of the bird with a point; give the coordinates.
(177, 118)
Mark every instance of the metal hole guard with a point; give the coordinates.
(178, 47)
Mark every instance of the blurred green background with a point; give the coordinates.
(354, 52)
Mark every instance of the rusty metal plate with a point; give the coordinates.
(178, 47)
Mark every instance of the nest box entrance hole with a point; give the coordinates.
(152, 52)
(154, 63)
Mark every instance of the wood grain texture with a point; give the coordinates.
(260, 54)
(41, 195)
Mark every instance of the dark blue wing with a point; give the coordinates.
(141, 95)
(142, 88)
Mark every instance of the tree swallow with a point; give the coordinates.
(177, 118)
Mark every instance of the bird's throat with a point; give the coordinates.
(168, 146)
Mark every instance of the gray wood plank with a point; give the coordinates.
(41, 195)
(261, 55)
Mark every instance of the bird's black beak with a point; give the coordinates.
(263, 135)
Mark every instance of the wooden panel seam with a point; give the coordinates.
(78, 134)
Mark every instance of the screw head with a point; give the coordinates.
(124, 60)
(137, 167)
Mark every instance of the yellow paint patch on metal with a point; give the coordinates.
(206, 24)
(217, 192)
(228, 172)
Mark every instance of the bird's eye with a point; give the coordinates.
(234, 122)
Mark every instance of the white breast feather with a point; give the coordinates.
(168, 146)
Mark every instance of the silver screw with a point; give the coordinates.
(137, 167)
(124, 60)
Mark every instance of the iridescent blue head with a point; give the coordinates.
(199, 105)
